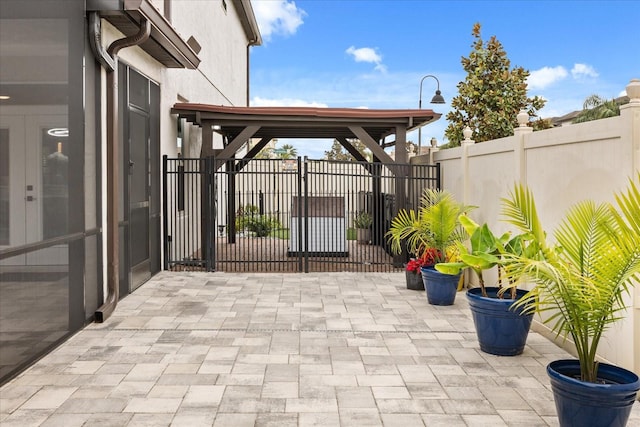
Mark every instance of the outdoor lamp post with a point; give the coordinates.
(437, 99)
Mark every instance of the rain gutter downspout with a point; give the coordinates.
(109, 60)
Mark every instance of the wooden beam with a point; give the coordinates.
(230, 150)
(207, 139)
(372, 145)
(351, 149)
(252, 153)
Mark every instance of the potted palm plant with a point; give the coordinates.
(580, 284)
(433, 227)
(501, 330)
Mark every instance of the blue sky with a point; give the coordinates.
(373, 53)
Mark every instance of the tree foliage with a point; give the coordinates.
(338, 152)
(287, 151)
(491, 96)
(596, 108)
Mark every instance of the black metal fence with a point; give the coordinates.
(294, 215)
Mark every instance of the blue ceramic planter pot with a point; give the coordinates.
(440, 288)
(581, 403)
(501, 330)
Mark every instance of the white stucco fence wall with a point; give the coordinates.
(561, 166)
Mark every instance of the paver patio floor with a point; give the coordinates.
(319, 349)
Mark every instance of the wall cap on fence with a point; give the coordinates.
(467, 132)
(633, 91)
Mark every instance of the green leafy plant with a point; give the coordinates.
(249, 218)
(487, 251)
(363, 220)
(435, 224)
(581, 279)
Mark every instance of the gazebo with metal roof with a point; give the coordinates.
(239, 124)
(376, 129)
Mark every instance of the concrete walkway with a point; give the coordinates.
(330, 349)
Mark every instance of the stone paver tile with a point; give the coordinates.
(330, 380)
(235, 420)
(280, 390)
(214, 368)
(502, 399)
(193, 419)
(153, 405)
(240, 379)
(49, 398)
(468, 407)
(27, 418)
(199, 396)
(484, 420)
(409, 406)
(84, 367)
(361, 417)
(108, 420)
(182, 368)
(380, 380)
(350, 367)
(416, 374)
(465, 393)
(168, 391)
(390, 392)
(443, 420)
(89, 406)
(145, 372)
(426, 391)
(322, 419)
(280, 372)
(402, 420)
(132, 388)
(310, 391)
(66, 420)
(311, 405)
(150, 420)
(276, 420)
(520, 418)
(355, 397)
(247, 391)
(317, 369)
(240, 405)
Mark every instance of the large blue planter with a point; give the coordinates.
(501, 330)
(441, 288)
(581, 403)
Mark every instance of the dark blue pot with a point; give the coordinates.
(581, 403)
(501, 330)
(441, 288)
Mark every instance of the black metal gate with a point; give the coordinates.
(294, 215)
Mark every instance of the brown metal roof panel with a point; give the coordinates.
(309, 111)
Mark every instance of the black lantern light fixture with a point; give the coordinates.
(437, 99)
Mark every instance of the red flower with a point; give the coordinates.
(428, 259)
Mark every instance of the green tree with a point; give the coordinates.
(338, 152)
(491, 96)
(596, 108)
(287, 151)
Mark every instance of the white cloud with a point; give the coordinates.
(367, 54)
(284, 102)
(540, 79)
(277, 17)
(583, 70)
